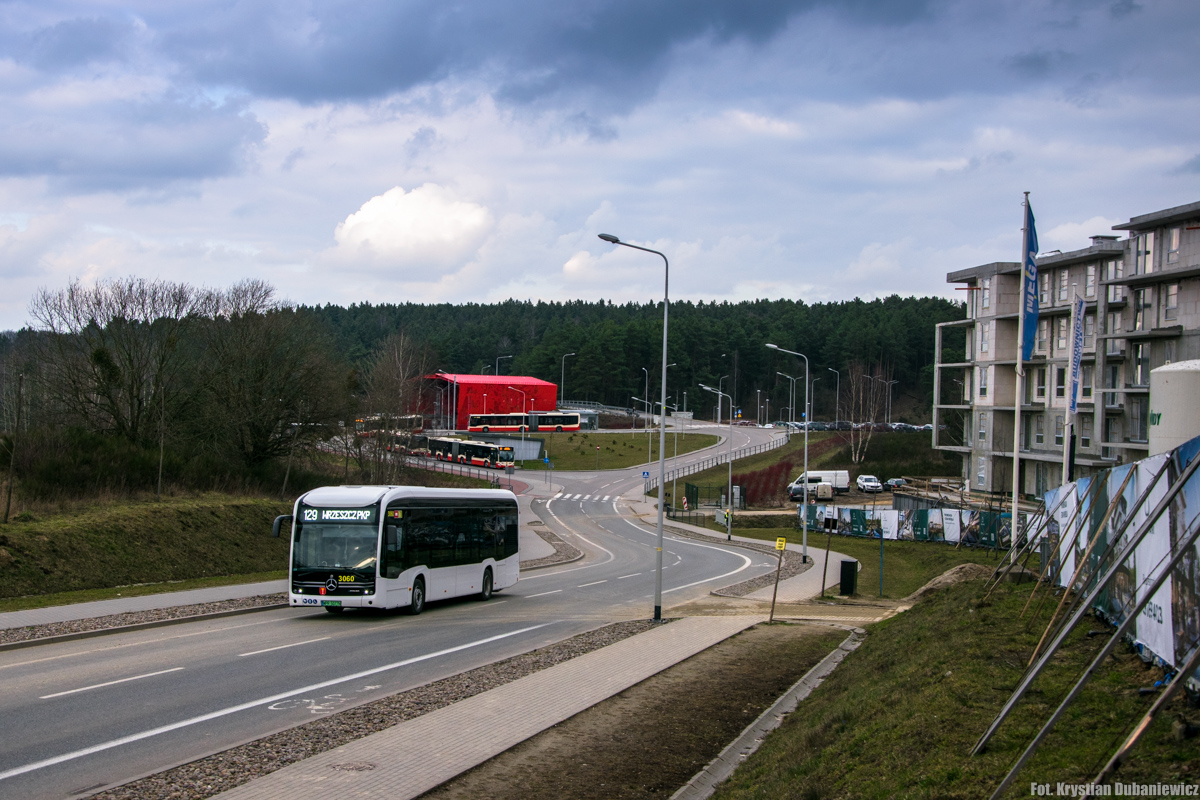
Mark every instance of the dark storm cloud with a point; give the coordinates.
(126, 146)
(331, 51)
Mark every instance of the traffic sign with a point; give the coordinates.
(645, 474)
(546, 460)
(780, 543)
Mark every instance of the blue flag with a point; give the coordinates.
(1076, 351)
(1029, 288)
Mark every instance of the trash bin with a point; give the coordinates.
(849, 584)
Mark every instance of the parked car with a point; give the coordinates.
(891, 484)
(869, 483)
(837, 479)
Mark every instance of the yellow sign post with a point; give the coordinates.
(780, 545)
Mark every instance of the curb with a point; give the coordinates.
(158, 623)
(704, 783)
(571, 560)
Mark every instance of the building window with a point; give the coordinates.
(1112, 431)
(985, 294)
(1170, 301)
(1058, 429)
(981, 470)
(1141, 364)
(1044, 289)
(1111, 381)
(1089, 281)
(1060, 334)
(1085, 431)
(1112, 271)
(1039, 391)
(1060, 382)
(984, 338)
(1141, 302)
(1039, 429)
(1137, 418)
(982, 426)
(1063, 277)
(1115, 325)
(1143, 254)
(1026, 433)
(983, 381)
(1086, 374)
(1043, 333)
(1089, 329)
(1173, 237)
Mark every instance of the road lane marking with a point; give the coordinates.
(746, 562)
(593, 583)
(542, 594)
(264, 701)
(623, 577)
(282, 647)
(109, 683)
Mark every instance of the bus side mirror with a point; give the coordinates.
(279, 522)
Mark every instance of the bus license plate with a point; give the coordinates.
(331, 602)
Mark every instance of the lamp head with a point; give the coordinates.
(608, 237)
(773, 346)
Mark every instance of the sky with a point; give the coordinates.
(439, 151)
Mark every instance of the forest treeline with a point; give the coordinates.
(613, 343)
(130, 382)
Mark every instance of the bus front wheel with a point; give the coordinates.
(485, 429)
(558, 428)
(418, 597)
(485, 593)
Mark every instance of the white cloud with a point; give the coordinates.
(1069, 236)
(427, 227)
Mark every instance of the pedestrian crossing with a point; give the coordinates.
(597, 498)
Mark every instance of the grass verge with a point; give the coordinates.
(898, 717)
(907, 566)
(136, 590)
(577, 451)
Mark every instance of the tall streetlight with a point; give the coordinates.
(791, 395)
(662, 430)
(650, 412)
(729, 491)
(758, 406)
(498, 363)
(562, 380)
(523, 426)
(837, 408)
(809, 411)
(720, 386)
(804, 516)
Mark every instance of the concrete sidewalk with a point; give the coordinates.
(415, 756)
(149, 602)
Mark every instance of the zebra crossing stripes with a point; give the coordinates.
(582, 497)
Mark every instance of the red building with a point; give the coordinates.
(455, 397)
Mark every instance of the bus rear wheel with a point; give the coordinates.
(485, 429)
(485, 593)
(558, 428)
(418, 597)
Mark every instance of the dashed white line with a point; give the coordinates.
(109, 683)
(542, 594)
(281, 647)
(593, 583)
(634, 575)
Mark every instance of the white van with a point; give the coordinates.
(839, 479)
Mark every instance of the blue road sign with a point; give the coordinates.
(645, 474)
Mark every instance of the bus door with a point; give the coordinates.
(533, 422)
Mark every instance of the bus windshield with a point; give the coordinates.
(336, 544)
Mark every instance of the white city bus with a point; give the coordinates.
(400, 546)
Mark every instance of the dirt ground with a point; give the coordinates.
(652, 738)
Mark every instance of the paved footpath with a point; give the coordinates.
(415, 756)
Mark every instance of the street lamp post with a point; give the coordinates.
(804, 516)
(498, 364)
(791, 394)
(809, 411)
(729, 493)
(837, 408)
(562, 380)
(515, 389)
(662, 430)
(758, 406)
(720, 386)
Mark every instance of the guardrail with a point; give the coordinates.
(699, 466)
(454, 468)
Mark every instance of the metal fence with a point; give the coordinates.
(699, 466)
(689, 517)
(454, 468)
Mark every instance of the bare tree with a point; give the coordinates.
(110, 351)
(867, 385)
(393, 394)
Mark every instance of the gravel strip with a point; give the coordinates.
(562, 551)
(223, 771)
(30, 632)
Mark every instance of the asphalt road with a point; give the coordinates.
(96, 712)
